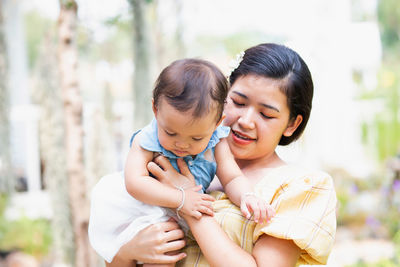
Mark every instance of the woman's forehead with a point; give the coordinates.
(261, 90)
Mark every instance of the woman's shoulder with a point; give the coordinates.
(296, 172)
(305, 196)
(289, 175)
(312, 176)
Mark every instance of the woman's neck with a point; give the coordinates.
(262, 163)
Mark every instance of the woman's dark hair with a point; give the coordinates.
(196, 84)
(282, 63)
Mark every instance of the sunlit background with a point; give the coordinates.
(352, 48)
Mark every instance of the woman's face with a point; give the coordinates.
(258, 115)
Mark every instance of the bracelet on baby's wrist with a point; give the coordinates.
(182, 201)
(249, 194)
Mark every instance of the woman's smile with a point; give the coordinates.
(241, 138)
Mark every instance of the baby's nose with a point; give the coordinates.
(181, 145)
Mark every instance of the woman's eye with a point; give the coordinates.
(265, 116)
(237, 103)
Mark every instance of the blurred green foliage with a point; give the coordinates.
(368, 221)
(383, 130)
(392, 262)
(389, 21)
(115, 48)
(32, 236)
(37, 28)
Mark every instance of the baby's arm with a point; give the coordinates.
(237, 186)
(149, 190)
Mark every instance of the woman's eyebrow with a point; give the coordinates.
(240, 94)
(269, 107)
(262, 104)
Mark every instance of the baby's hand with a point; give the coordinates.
(262, 211)
(197, 203)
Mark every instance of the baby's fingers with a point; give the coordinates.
(256, 211)
(245, 211)
(195, 188)
(264, 213)
(271, 212)
(195, 214)
(206, 210)
(207, 197)
(206, 203)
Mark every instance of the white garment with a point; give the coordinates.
(116, 217)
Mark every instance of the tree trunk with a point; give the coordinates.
(180, 44)
(169, 45)
(142, 84)
(67, 56)
(47, 95)
(6, 177)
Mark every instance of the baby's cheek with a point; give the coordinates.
(228, 120)
(200, 148)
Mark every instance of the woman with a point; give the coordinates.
(269, 104)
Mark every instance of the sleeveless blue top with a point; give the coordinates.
(202, 169)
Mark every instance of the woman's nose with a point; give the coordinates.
(247, 119)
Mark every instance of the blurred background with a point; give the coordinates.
(76, 79)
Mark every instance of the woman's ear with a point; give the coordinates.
(292, 126)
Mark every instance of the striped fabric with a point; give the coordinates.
(305, 204)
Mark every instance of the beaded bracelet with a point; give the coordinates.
(182, 201)
(249, 194)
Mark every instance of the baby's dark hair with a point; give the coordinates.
(281, 63)
(192, 84)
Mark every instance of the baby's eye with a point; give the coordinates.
(237, 103)
(197, 138)
(169, 133)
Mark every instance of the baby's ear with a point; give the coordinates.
(292, 126)
(222, 118)
(153, 107)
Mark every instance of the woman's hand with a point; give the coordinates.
(157, 243)
(163, 170)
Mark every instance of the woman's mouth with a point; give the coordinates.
(241, 138)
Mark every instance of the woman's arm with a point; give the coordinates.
(217, 247)
(151, 245)
(272, 251)
(219, 250)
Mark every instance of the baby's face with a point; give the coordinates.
(180, 133)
